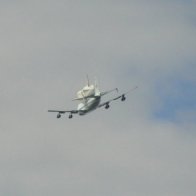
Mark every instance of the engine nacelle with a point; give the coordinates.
(70, 116)
(107, 106)
(58, 115)
(123, 98)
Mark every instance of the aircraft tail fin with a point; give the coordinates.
(88, 82)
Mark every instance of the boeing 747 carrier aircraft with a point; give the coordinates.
(89, 98)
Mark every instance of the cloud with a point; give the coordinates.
(47, 48)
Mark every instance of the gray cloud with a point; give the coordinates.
(47, 48)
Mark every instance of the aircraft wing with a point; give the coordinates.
(63, 112)
(107, 92)
(122, 97)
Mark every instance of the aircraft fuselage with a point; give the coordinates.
(89, 105)
(89, 98)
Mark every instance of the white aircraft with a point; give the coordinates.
(90, 99)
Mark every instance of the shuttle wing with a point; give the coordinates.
(87, 97)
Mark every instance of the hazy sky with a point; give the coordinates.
(145, 146)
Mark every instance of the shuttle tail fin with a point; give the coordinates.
(88, 82)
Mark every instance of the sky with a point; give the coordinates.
(144, 146)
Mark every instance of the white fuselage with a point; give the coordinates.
(90, 98)
(89, 105)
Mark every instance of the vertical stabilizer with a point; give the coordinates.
(96, 82)
(88, 83)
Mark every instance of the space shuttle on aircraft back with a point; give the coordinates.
(90, 99)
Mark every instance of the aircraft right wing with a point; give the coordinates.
(107, 92)
(122, 96)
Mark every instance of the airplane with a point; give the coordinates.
(90, 99)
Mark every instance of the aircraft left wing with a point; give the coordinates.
(122, 97)
(63, 112)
